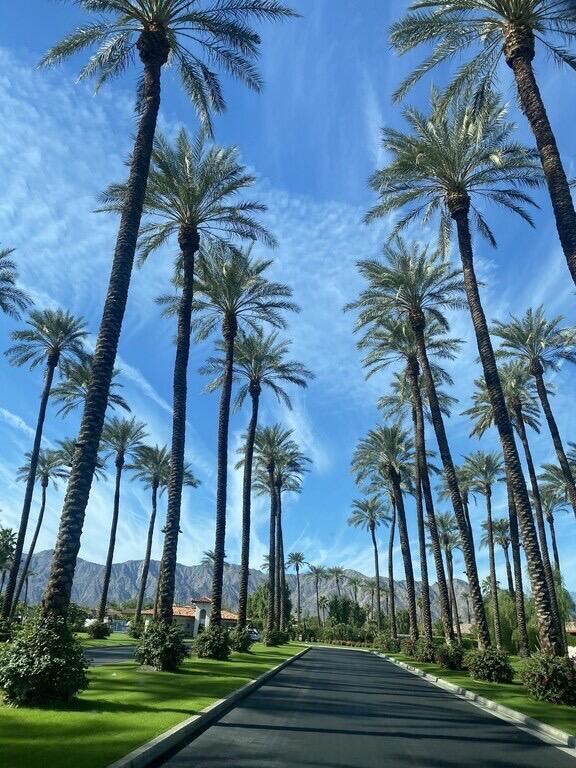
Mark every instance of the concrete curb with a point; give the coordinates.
(184, 732)
(536, 727)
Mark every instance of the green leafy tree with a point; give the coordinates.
(343, 610)
(197, 39)
(450, 162)
(13, 300)
(52, 338)
(493, 30)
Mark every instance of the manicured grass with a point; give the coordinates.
(512, 695)
(116, 638)
(124, 707)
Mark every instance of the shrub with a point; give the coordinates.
(161, 647)
(424, 651)
(136, 629)
(6, 630)
(550, 678)
(44, 662)
(275, 637)
(98, 630)
(489, 664)
(213, 643)
(449, 656)
(240, 640)
(408, 646)
(386, 643)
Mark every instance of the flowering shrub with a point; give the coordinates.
(550, 678)
(489, 664)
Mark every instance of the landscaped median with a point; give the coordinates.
(124, 707)
(512, 695)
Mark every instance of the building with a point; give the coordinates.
(194, 618)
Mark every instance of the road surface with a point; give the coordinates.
(349, 709)
(109, 655)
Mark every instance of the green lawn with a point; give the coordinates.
(124, 707)
(116, 638)
(511, 695)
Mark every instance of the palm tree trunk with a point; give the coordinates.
(377, 575)
(229, 330)
(26, 591)
(112, 542)
(146, 563)
(393, 626)
(157, 593)
(455, 616)
(31, 548)
(189, 242)
(298, 598)
(154, 49)
(418, 325)
(281, 568)
(406, 554)
(523, 646)
(547, 627)
(556, 439)
(2, 580)
(246, 506)
(519, 53)
(277, 585)
(509, 578)
(422, 465)
(492, 560)
(7, 608)
(554, 544)
(271, 619)
(318, 600)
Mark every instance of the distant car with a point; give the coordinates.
(254, 634)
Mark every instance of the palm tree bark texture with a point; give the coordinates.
(246, 506)
(405, 548)
(112, 543)
(146, 563)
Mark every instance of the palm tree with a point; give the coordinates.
(232, 292)
(370, 513)
(50, 468)
(509, 28)
(192, 196)
(337, 573)
(501, 533)
(159, 30)
(394, 340)
(324, 603)
(451, 159)
(296, 560)
(121, 438)
(552, 502)
(72, 390)
(260, 362)
(541, 345)
(209, 558)
(13, 300)
(355, 584)
(7, 549)
(484, 470)
(27, 575)
(387, 452)
(319, 574)
(52, 338)
(448, 531)
(466, 596)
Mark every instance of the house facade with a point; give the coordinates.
(195, 617)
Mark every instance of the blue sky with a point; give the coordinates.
(312, 138)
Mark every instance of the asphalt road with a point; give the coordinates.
(110, 655)
(348, 709)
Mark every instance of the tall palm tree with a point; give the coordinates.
(394, 340)
(13, 300)
(451, 161)
(232, 292)
(197, 39)
(323, 603)
(193, 196)
(508, 29)
(370, 513)
(466, 596)
(485, 470)
(501, 535)
(71, 391)
(448, 531)
(541, 345)
(7, 549)
(388, 452)
(121, 438)
(296, 560)
(52, 338)
(260, 362)
(319, 574)
(337, 573)
(552, 502)
(355, 584)
(50, 469)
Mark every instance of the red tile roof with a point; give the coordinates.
(189, 611)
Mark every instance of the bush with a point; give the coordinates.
(240, 640)
(136, 629)
(98, 630)
(161, 647)
(386, 643)
(276, 637)
(489, 664)
(213, 643)
(550, 678)
(424, 651)
(44, 662)
(449, 656)
(408, 646)
(6, 630)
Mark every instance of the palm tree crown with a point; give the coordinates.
(296, 559)
(53, 336)
(123, 437)
(51, 467)
(484, 470)
(71, 391)
(13, 300)
(369, 513)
